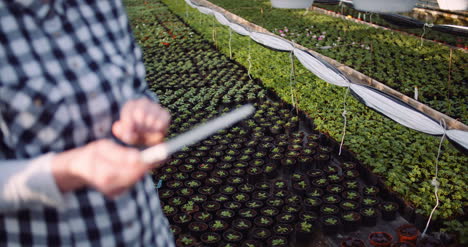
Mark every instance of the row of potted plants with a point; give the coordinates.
(407, 175)
(191, 96)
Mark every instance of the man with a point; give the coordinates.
(71, 79)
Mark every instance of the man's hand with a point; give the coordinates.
(142, 122)
(104, 165)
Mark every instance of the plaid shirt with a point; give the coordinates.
(66, 69)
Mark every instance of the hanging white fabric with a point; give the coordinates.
(239, 29)
(190, 3)
(321, 69)
(459, 136)
(205, 10)
(390, 107)
(397, 111)
(272, 41)
(221, 19)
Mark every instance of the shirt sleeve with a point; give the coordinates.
(28, 184)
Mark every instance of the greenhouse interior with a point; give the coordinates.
(358, 134)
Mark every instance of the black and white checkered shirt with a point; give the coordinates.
(66, 69)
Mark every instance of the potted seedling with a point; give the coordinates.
(309, 216)
(254, 204)
(169, 210)
(225, 214)
(348, 205)
(389, 210)
(217, 225)
(186, 240)
(277, 241)
(304, 231)
(242, 225)
(210, 238)
(314, 192)
(203, 216)
(330, 224)
(351, 220)
(370, 190)
(198, 198)
(260, 195)
(285, 218)
(312, 203)
(240, 197)
(232, 205)
(246, 188)
(331, 199)
(352, 195)
(182, 219)
(189, 207)
(197, 228)
(329, 209)
(247, 213)
(369, 216)
(232, 236)
(261, 234)
(263, 221)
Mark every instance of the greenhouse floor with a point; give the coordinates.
(236, 166)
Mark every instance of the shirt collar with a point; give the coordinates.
(42, 7)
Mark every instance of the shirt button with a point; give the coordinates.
(57, 34)
(38, 102)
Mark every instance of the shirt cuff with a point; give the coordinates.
(28, 184)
